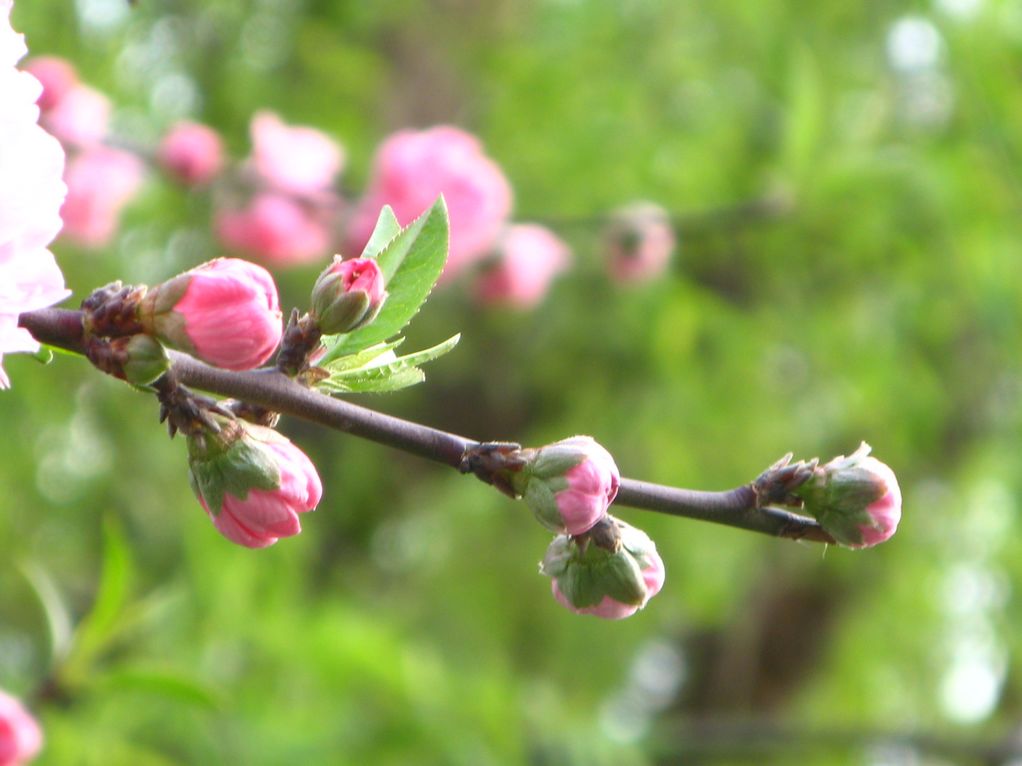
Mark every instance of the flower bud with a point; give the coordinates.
(856, 499)
(610, 575)
(138, 359)
(639, 242)
(568, 484)
(191, 153)
(347, 295)
(225, 312)
(279, 229)
(252, 482)
(20, 735)
(527, 259)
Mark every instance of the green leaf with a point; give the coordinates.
(58, 616)
(387, 227)
(386, 373)
(169, 684)
(361, 358)
(411, 262)
(100, 624)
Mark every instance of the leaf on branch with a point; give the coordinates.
(411, 261)
(383, 370)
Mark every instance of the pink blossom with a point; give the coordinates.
(191, 153)
(57, 76)
(80, 118)
(31, 192)
(347, 295)
(292, 158)
(100, 182)
(856, 499)
(20, 735)
(528, 259)
(639, 242)
(277, 229)
(568, 485)
(252, 517)
(653, 575)
(412, 168)
(885, 513)
(225, 312)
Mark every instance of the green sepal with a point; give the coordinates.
(540, 498)
(241, 466)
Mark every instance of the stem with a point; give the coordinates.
(275, 391)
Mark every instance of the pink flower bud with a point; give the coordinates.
(225, 312)
(191, 153)
(611, 578)
(276, 229)
(568, 484)
(528, 259)
(20, 735)
(347, 295)
(856, 499)
(639, 242)
(252, 482)
(100, 182)
(80, 118)
(412, 168)
(57, 76)
(31, 192)
(291, 158)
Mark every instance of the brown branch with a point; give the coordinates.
(275, 391)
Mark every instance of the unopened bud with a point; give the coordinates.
(347, 295)
(856, 499)
(639, 242)
(252, 482)
(225, 312)
(568, 484)
(611, 574)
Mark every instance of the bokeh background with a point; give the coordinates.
(407, 624)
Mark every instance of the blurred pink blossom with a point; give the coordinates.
(20, 735)
(528, 258)
(100, 182)
(412, 168)
(31, 192)
(80, 118)
(293, 158)
(57, 76)
(191, 153)
(639, 242)
(276, 229)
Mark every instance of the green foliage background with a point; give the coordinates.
(407, 624)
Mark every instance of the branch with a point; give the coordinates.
(275, 391)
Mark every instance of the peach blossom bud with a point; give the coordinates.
(20, 735)
(347, 295)
(225, 312)
(293, 158)
(610, 578)
(100, 182)
(57, 76)
(527, 260)
(568, 484)
(191, 153)
(856, 499)
(639, 242)
(412, 168)
(252, 482)
(275, 229)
